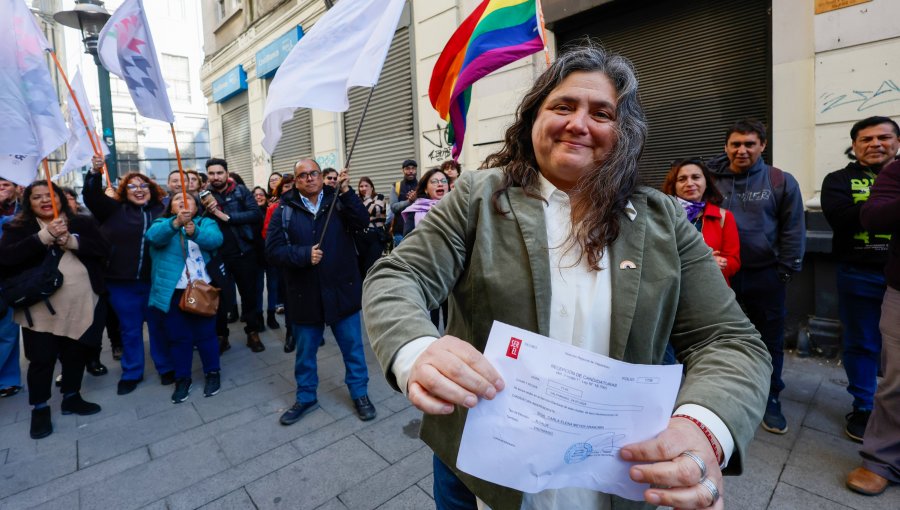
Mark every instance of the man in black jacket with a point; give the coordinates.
(235, 209)
(861, 256)
(324, 286)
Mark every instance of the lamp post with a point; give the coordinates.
(89, 16)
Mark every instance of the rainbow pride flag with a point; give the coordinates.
(496, 33)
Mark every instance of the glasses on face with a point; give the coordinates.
(438, 181)
(331, 178)
(135, 187)
(309, 175)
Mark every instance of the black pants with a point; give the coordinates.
(42, 350)
(244, 270)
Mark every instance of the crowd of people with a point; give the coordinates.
(545, 237)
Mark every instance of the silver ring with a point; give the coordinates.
(696, 458)
(713, 490)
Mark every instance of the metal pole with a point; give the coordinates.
(106, 115)
(347, 161)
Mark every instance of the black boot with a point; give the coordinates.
(290, 343)
(77, 405)
(41, 425)
(271, 321)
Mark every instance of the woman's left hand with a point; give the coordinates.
(720, 260)
(189, 228)
(675, 478)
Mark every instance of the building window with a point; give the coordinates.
(178, 76)
(225, 8)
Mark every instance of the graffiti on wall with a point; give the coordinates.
(327, 160)
(861, 100)
(440, 148)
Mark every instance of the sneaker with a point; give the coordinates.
(213, 384)
(127, 386)
(293, 415)
(182, 390)
(41, 425)
(364, 408)
(856, 424)
(773, 420)
(77, 405)
(167, 378)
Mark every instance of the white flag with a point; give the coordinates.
(79, 149)
(345, 48)
(126, 49)
(31, 123)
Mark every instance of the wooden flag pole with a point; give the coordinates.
(97, 151)
(180, 168)
(50, 187)
(540, 13)
(347, 162)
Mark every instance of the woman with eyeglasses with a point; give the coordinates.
(432, 188)
(63, 326)
(370, 242)
(274, 180)
(691, 182)
(124, 221)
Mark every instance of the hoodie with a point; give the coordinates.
(771, 223)
(843, 194)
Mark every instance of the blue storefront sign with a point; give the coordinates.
(270, 58)
(229, 84)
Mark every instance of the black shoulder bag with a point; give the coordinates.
(33, 285)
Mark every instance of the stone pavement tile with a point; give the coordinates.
(241, 397)
(73, 481)
(788, 497)
(762, 469)
(332, 504)
(334, 432)
(388, 483)
(396, 437)
(244, 375)
(32, 472)
(427, 485)
(411, 499)
(802, 378)
(64, 502)
(396, 402)
(795, 412)
(156, 505)
(231, 480)
(148, 482)
(830, 406)
(237, 500)
(197, 434)
(313, 480)
(117, 440)
(278, 404)
(820, 462)
(4, 453)
(266, 433)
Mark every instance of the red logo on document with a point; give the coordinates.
(513, 350)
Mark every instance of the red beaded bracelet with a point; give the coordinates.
(706, 432)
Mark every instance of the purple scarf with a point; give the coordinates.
(692, 209)
(418, 208)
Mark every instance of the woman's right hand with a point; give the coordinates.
(451, 372)
(190, 228)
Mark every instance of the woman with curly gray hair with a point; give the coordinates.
(555, 236)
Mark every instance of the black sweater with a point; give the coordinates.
(882, 213)
(843, 194)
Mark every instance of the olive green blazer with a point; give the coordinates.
(496, 267)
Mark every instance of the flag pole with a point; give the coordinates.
(180, 168)
(94, 145)
(50, 187)
(540, 13)
(347, 162)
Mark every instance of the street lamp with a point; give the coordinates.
(89, 16)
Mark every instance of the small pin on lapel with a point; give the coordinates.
(627, 264)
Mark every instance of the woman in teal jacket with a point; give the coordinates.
(182, 242)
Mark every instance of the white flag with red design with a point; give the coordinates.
(126, 49)
(79, 148)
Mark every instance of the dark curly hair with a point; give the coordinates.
(156, 193)
(599, 198)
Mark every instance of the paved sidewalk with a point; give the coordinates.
(229, 451)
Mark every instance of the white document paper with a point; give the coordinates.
(563, 416)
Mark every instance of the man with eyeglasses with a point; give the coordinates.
(324, 286)
(403, 193)
(234, 208)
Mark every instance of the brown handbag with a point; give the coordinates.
(199, 298)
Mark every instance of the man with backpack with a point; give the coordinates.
(768, 207)
(403, 193)
(861, 257)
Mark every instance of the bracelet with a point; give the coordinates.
(706, 432)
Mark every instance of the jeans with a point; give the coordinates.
(10, 373)
(348, 334)
(268, 280)
(449, 491)
(860, 293)
(130, 302)
(182, 331)
(761, 294)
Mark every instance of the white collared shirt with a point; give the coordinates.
(313, 208)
